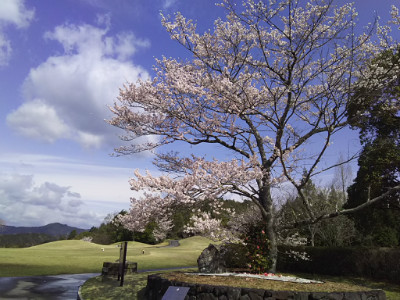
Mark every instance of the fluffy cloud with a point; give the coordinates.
(74, 192)
(12, 12)
(15, 12)
(22, 188)
(25, 202)
(76, 87)
(37, 120)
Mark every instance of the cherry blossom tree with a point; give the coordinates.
(270, 84)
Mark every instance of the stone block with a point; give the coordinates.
(220, 290)
(233, 293)
(112, 268)
(255, 294)
(206, 296)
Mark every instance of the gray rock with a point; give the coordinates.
(233, 293)
(211, 260)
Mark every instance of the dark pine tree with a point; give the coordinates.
(376, 114)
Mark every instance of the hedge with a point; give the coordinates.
(374, 263)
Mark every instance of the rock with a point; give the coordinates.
(211, 260)
(174, 243)
(221, 258)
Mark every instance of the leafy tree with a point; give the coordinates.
(180, 219)
(342, 177)
(379, 161)
(72, 235)
(270, 78)
(146, 236)
(339, 231)
(294, 210)
(86, 235)
(110, 231)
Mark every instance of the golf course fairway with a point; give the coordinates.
(75, 257)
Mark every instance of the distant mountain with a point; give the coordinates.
(53, 229)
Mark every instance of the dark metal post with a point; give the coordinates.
(122, 262)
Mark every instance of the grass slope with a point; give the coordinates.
(69, 257)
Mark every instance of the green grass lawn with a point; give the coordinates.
(71, 257)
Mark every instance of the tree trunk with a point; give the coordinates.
(273, 254)
(269, 218)
(312, 230)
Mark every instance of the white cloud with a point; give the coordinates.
(88, 140)
(27, 201)
(15, 12)
(126, 45)
(75, 203)
(63, 190)
(168, 3)
(5, 50)
(24, 202)
(99, 183)
(12, 12)
(78, 85)
(38, 120)
(22, 188)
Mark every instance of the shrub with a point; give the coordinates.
(257, 250)
(235, 255)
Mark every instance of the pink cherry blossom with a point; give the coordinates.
(267, 81)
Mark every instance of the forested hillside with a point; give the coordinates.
(16, 237)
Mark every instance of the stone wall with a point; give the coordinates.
(157, 286)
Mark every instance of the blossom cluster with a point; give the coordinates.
(202, 180)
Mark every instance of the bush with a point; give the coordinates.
(257, 246)
(385, 236)
(235, 256)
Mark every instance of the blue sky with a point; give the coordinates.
(61, 63)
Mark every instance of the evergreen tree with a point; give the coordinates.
(376, 115)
